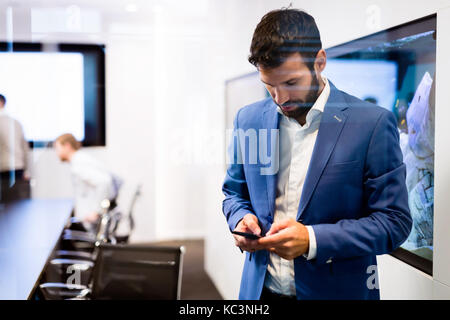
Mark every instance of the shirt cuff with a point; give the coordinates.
(312, 244)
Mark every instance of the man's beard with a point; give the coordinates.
(302, 107)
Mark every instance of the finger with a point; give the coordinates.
(249, 249)
(278, 226)
(274, 240)
(249, 245)
(243, 242)
(279, 251)
(252, 224)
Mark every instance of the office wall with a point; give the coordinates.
(340, 21)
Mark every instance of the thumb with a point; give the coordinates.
(277, 226)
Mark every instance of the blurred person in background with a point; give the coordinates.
(14, 158)
(91, 180)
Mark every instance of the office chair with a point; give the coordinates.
(79, 245)
(131, 224)
(82, 237)
(79, 261)
(75, 240)
(127, 272)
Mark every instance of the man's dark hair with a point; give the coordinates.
(2, 99)
(281, 33)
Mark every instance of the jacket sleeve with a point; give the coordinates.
(26, 152)
(237, 199)
(387, 222)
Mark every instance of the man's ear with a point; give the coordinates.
(321, 61)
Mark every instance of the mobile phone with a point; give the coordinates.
(250, 236)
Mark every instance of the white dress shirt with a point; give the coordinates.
(92, 184)
(296, 147)
(14, 150)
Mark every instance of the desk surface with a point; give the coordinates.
(29, 231)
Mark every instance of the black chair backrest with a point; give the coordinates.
(136, 195)
(137, 272)
(103, 226)
(115, 216)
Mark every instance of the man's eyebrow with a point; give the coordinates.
(290, 80)
(266, 82)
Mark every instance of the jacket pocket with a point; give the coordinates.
(342, 167)
(349, 266)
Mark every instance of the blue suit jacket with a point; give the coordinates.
(354, 197)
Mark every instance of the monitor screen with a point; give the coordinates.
(395, 69)
(44, 92)
(55, 89)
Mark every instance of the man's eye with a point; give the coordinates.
(293, 83)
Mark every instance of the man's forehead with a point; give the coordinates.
(283, 73)
(291, 65)
(294, 58)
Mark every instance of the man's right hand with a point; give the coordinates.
(248, 224)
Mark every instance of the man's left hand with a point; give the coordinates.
(288, 239)
(92, 217)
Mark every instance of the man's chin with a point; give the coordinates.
(295, 112)
(288, 113)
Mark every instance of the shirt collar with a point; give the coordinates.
(323, 97)
(2, 112)
(75, 156)
(317, 107)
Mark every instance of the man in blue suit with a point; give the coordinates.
(316, 172)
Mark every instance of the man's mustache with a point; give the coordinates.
(297, 103)
(293, 103)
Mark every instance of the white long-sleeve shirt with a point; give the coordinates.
(14, 150)
(296, 148)
(92, 183)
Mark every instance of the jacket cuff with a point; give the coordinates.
(236, 217)
(324, 243)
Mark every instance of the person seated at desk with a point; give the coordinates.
(14, 158)
(91, 180)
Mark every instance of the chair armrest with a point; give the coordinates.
(77, 264)
(78, 233)
(75, 220)
(72, 237)
(61, 285)
(65, 290)
(75, 254)
(76, 224)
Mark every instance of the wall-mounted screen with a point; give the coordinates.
(395, 69)
(54, 89)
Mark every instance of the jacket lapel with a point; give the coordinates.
(271, 121)
(331, 124)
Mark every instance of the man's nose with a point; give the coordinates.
(281, 96)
